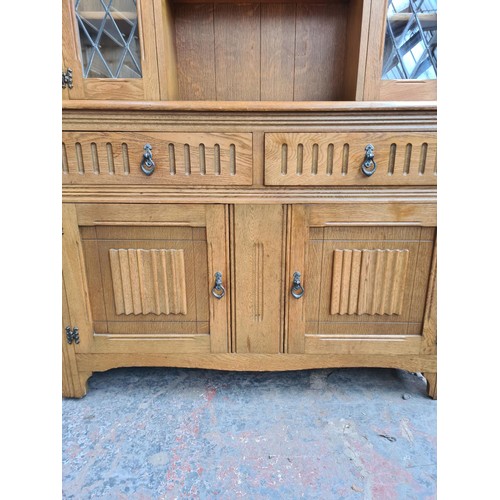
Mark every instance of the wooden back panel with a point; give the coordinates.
(255, 51)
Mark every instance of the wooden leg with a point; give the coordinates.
(76, 387)
(431, 384)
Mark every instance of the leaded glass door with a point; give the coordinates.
(110, 47)
(402, 51)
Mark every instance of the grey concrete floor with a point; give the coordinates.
(166, 433)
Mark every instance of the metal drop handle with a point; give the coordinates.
(297, 289)
(147, 163)
(369, 166)
(218, 291)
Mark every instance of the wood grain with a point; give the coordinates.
(431, 384)
(374, 87)
(368, 281)
(319, 51)
(180, 158)
(218, 261)
(258, 362)
(75, 278)
(158, 277)
(361, 283)
(258, 245)
(195, 42)
(72, 384)
(237, 51)
(277, 52)
(166, 50)
(145, 88)
(305, 106)
(321, 159)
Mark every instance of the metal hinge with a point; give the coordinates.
(72, 335)
(67, 78)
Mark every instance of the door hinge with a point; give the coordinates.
(72, 335)
(67, 78)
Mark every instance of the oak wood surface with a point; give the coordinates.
(215, 61)
(431, 383)
(277, 51)
(144, 88)
(180, 158)
(195, 51)
(257, 362)
(166, 50)
(351, 301)
(72, 385)
(145, 276)
(258, 233)
(301, 159)
(374, 87)
(369, 105)
(237, 51)
(314, 196)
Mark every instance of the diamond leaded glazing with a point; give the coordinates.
(109, 38)
(410, 50)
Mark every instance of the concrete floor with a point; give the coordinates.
(165, 433)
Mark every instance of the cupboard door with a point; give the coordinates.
(402, 51)
(365, 282)
(142, 277)
(110, 48)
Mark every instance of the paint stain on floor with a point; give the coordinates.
(167, 433)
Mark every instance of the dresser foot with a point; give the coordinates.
(431, 384)
(78, 387)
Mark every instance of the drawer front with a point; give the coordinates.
(180, 158)
(333, 159)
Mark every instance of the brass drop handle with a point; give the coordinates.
(297, 289)
(147, 163)
(218, 291)
(369, 166)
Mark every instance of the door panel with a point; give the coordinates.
(148, 275)
(365, 286)
(111, 49)
(259, 232)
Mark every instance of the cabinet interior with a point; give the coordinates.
(266, 51)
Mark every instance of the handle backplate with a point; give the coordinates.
(297, 289)
(218, 291)
(147, 164)
(369, 166)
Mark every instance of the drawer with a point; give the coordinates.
(334, 159)
(180, 158)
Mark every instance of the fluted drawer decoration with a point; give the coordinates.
(329, 159)
(148, 281)
(368, 281)
(180, 158)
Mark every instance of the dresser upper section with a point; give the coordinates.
(257, 50)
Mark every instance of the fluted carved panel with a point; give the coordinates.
(324, 159)
(368, 281)
(180, 158)
(148, 281)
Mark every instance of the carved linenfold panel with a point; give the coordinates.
(180, 158)
(148, 281)
(368, 281)
(323, 159)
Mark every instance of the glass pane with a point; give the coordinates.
(109, 38)
(410, 50)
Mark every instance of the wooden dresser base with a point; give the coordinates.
(89, 363)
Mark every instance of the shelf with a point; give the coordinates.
(117, 15)
(249, 106)
(428, 21)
